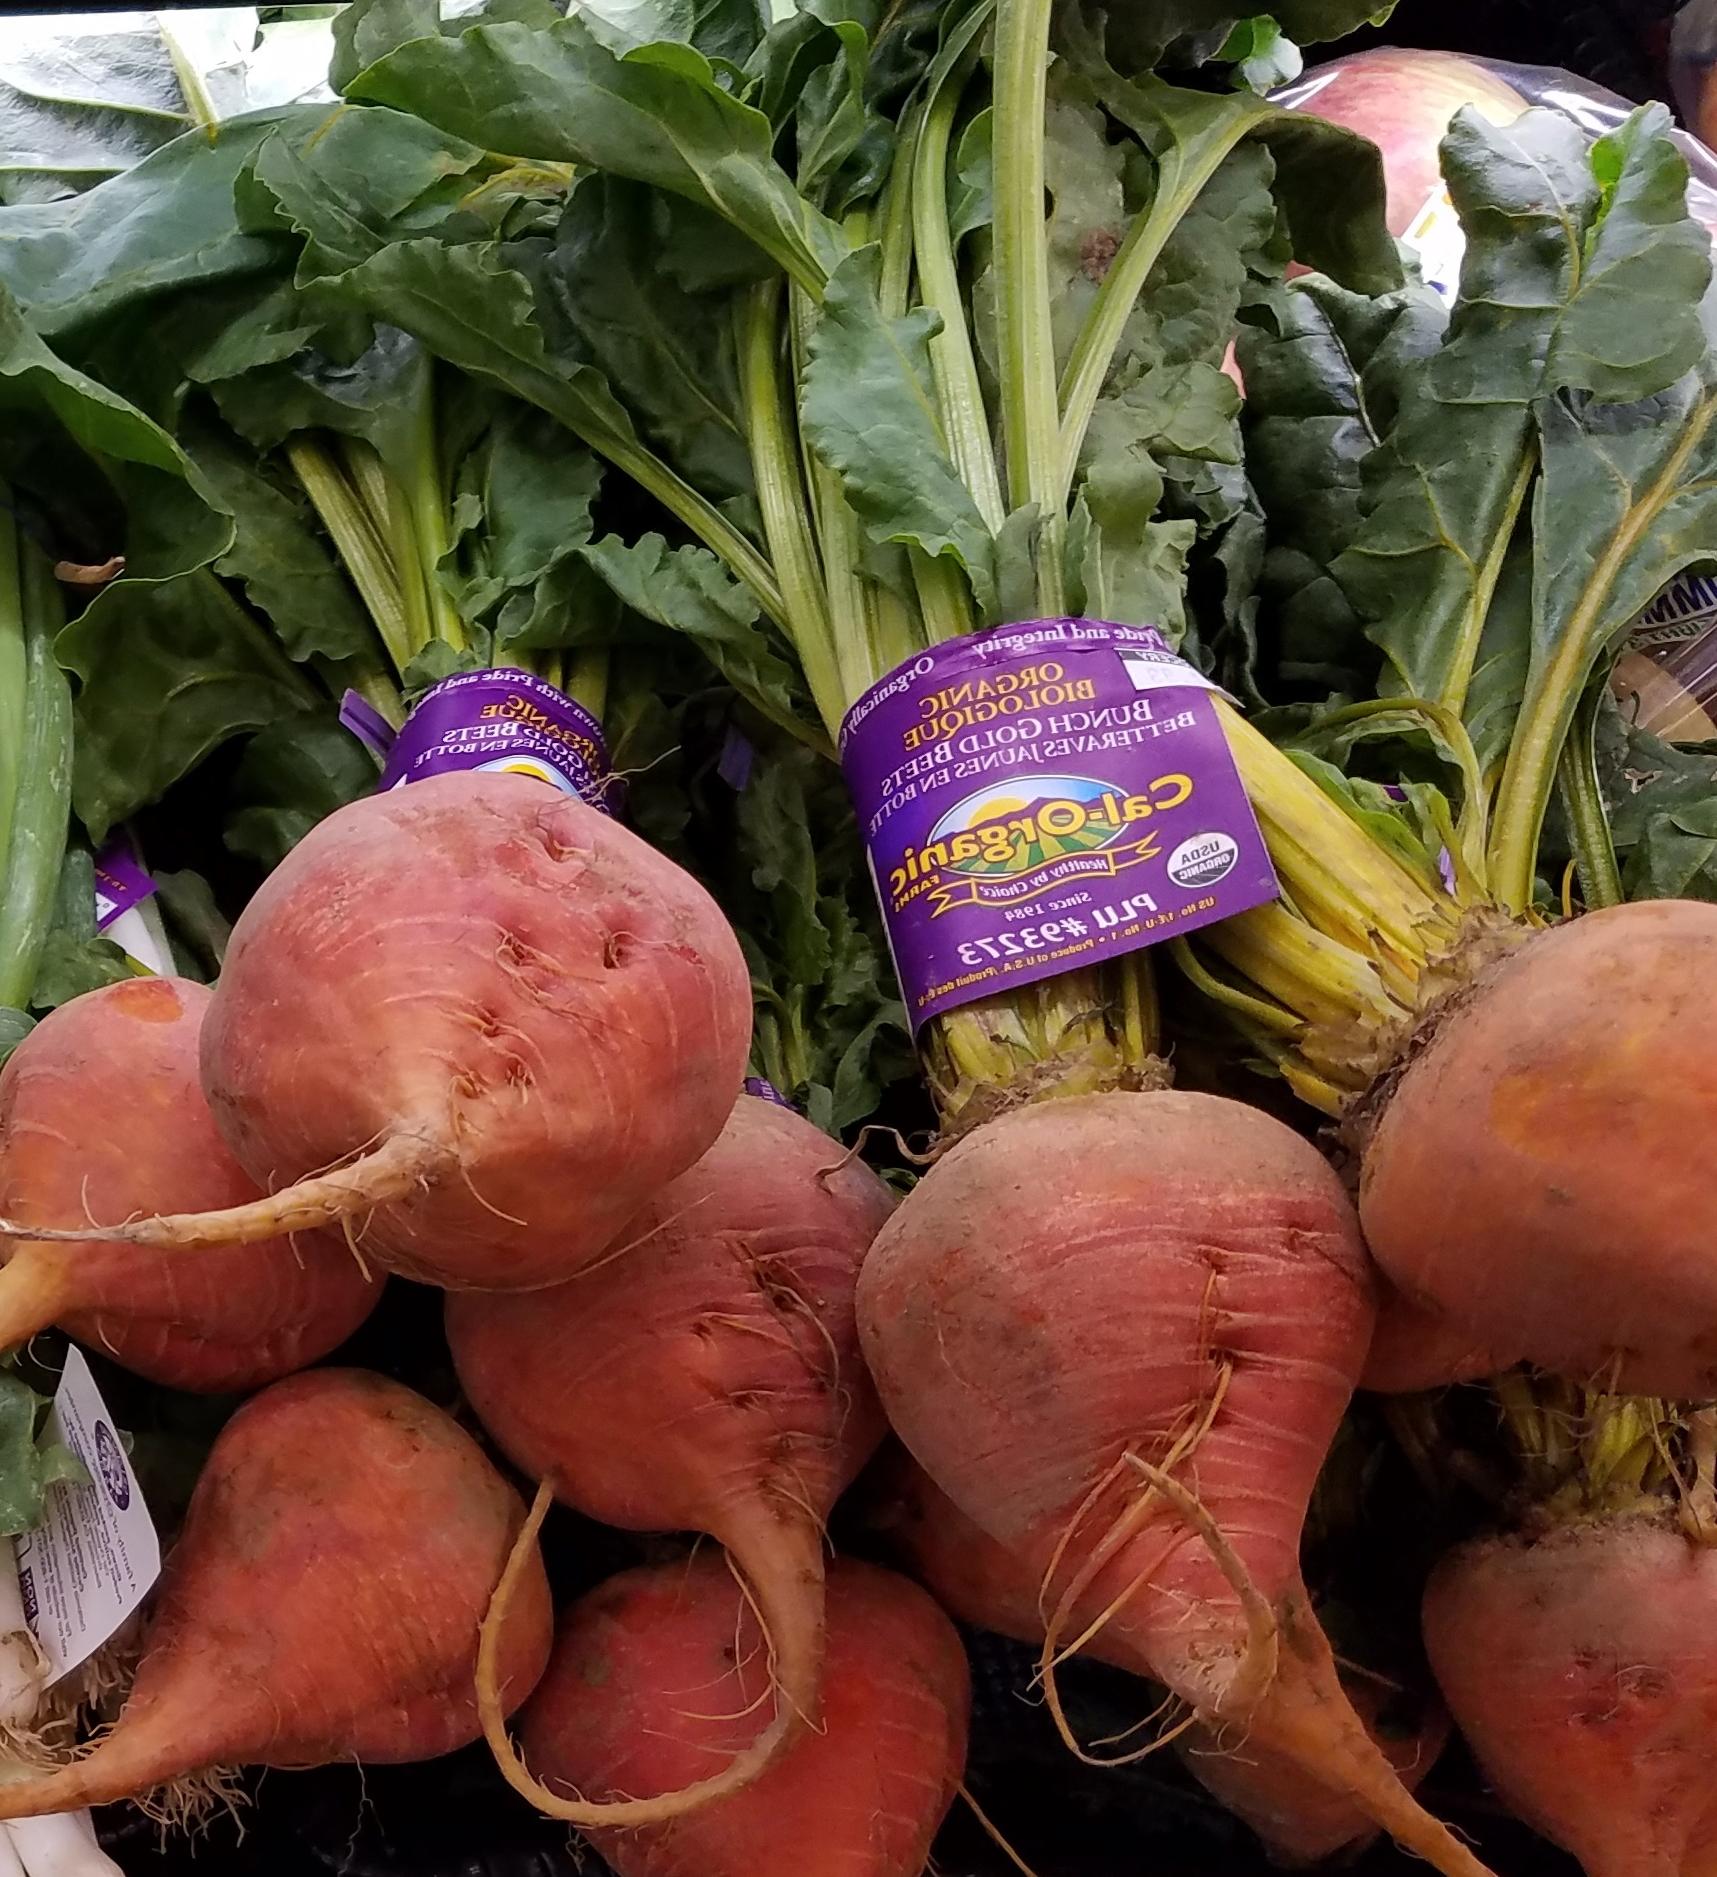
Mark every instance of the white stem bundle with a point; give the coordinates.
(64, 1843)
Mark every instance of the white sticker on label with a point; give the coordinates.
(1436, 236)
(1151, 670)
(96, 1554)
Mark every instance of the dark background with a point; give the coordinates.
(453, 1819)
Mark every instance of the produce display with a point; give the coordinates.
(858, 871)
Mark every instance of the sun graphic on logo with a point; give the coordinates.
(1011, 830)
(993, 808)
(529, 766)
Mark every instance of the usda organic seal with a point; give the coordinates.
(1203, 860)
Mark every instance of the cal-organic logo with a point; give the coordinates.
(110, 1464)
(1010, 840)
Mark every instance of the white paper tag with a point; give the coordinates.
(1436, 236)
(96, 1554)
(131, 933)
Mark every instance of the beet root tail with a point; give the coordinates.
(396, 1168)
(174, 1738)
(783, 1570)
(1307, 1717)
(35, 1291)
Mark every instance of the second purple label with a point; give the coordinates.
(1040, 797)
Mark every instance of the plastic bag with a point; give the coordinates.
(1403, 100)
(1693, 66)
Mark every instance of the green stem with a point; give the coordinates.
(686, 505)
(200, 107)
(1553, 689)
(894, 278)
(347, 518)
(1594, 849)
(944, 599)
(401, 535)
(430, 536)
(1025, 340)
(586, 678)
(36, 847)
(1455, 687)
(848, 599)
(781, 497)
(959, 391)
(14, 677)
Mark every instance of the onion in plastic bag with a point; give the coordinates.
(1403, 101)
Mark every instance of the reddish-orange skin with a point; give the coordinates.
(323, 1600)
(1301, 1823)
(658, 1676)
(1581, 1671)
(981, 1583)
(1539, 1180)
(1064, 1286)
(707, 1375)
(492, 967)
(710, 1367)
(102, 1117)
(1085, 1280)
(1413, 1350)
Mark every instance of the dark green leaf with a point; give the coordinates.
(75, 958)
(1627, 501)
(971, 202)
(369, 29)
(105, 479)
(1330, 182)
(29, 1464)
(522, 508)
(168, 673)
(687, 590)
(196, 928)
(280, 559)
(1445, 495)
(440, 660)
(166, 224)
(15, 1025)
(1324, 369)
(724, 31)
(1140, 36)
(1676, 855)
(293, 774)
(666, 351)
(776, 838)
(868, 411)
(657, 114)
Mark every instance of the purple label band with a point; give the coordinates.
(503, 720)
(368, 725)
(767, 1091)
(737, 756)
(120, 884)
(1042, 797)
